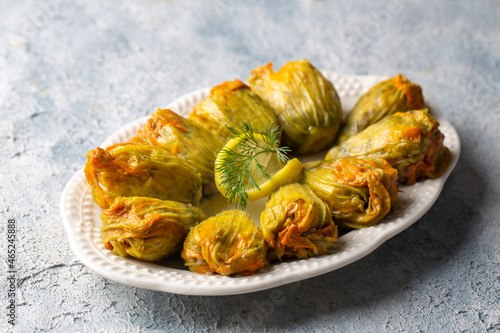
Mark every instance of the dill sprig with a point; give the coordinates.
(238, 166)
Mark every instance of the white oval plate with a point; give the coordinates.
(81, 218)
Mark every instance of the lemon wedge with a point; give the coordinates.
(250, 167)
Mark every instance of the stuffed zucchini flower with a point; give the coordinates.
(397, 94)
(185, 139)
(146, 228)
(227, 243)
(410, 141)
(359, 192)
(127, 170)
(230, 104)
(297, 224)
(305, 102)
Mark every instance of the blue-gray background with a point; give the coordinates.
(73, 72)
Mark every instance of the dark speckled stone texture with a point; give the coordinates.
(73, 72)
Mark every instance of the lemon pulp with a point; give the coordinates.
(280, 172)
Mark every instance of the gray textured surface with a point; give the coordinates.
(72, 72)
